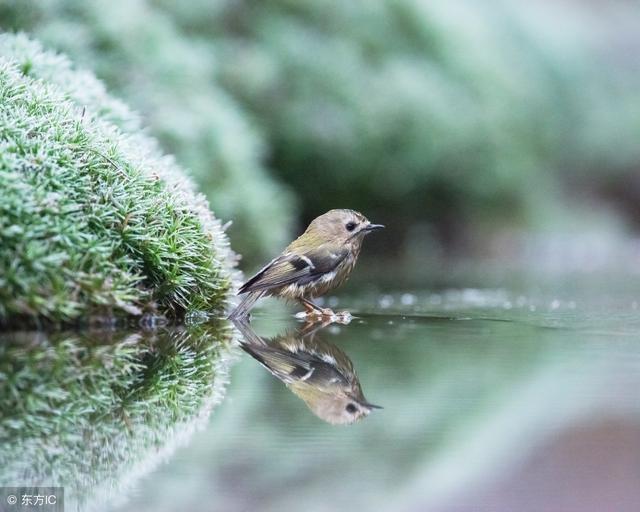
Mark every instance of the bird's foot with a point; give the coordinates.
(325, 315)
(343, 317)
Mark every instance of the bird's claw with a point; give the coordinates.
(325, 315)
(343, 317)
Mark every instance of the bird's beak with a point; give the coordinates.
(372, 227)
(371, 406)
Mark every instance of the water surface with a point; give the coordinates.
(492, 401)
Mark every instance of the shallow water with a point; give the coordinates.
(493, 401)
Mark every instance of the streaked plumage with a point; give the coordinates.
(318, 372)
(319, 260)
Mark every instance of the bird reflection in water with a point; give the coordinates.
(318, 372)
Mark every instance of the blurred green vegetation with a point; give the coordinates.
(442, 119)
(456, 114)
(93, 411)
(93, 218)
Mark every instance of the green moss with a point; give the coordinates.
(93, 411)
(143, 56)
(93, 219)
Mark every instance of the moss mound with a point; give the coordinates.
(93, 218)
(144, 57)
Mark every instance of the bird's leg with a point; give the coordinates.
(312, 309)
(323, 314)
(313, 325)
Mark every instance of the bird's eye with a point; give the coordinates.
(350, 226)
(351, 408)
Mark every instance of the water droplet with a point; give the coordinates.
(408, 299)
(385, 301)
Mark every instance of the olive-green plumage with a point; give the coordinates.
(319, 260)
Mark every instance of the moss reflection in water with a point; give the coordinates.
(91, 411)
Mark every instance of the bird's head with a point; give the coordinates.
(335, 404)
(341, 226)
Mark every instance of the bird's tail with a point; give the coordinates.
(242, 309)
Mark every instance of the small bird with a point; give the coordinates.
(316, 371)
(319, 260)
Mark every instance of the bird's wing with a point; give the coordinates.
(300, 268)
(296, 366)
(286, 366)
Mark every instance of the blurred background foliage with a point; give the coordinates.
(450, 121)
